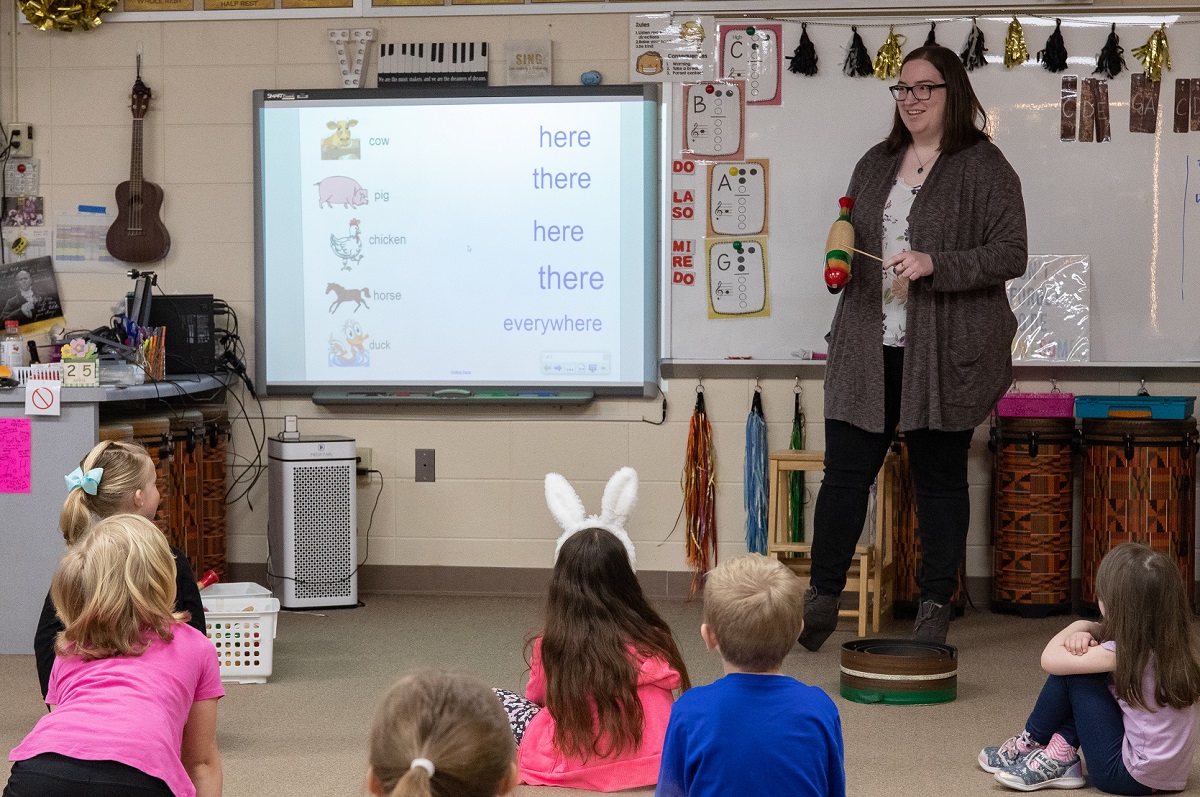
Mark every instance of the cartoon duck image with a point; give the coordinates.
(348, 248)
(348, 349)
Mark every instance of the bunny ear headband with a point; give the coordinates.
(620, 495)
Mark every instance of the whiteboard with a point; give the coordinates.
(1131, 205)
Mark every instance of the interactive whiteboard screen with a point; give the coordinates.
(441, 237)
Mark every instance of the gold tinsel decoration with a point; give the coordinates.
(889, 57)
(65, 15)
(1155, 54)
(1015, 52)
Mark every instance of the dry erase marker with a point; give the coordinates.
(746, 357)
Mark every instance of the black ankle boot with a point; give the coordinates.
(820, 618)
(933, 621)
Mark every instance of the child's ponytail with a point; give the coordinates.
(103, 485)
(417, 781)
(441, 735)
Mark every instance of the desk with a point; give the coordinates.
(30, 543)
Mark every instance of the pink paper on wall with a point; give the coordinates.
(16, 455)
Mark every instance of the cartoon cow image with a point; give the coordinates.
(339, 190)
(340, 145)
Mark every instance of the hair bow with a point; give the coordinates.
(88, 481)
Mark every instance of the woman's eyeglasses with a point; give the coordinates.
(921, 91)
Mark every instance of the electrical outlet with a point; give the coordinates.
(20, 140)
(426, 472)
(364, 459)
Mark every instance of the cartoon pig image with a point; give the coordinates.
(339, 190)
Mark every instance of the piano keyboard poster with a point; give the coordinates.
(464, 63)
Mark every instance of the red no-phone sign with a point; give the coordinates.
(43, 398)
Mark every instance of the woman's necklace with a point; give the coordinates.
(921, 163)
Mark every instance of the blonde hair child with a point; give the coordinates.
(118, 718)
(441, 735)
(753, 612)
(1124, 690)
(115, 477)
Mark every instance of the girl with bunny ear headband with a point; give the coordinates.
(604, 669)
(620, 496)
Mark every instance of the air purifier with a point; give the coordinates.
(312, 528)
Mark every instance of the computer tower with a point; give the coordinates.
(191, 346)
(312, 525)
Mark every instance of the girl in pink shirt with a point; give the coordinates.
(605, 669)
(1125, 690)
(134, 689)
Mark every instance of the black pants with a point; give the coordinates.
(54, 775)
(853, 457)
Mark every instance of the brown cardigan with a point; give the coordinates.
(970, 218)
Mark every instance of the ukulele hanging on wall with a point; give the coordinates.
(138, 235)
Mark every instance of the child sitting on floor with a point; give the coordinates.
(1124, 690)
(134, 688)
(114, 478)
(754, 731)
(604, 670)
(441, 735)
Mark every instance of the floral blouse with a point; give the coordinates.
(895, 241)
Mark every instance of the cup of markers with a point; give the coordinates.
(149, 344)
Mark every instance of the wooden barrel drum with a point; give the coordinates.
(1139, 485)
(153, 433)
(187, 432)
(213, 486)
(1032, 515)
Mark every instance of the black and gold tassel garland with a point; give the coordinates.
(1015, 51)
(1111, 59)
(1155, 54)
(1054, 57)
(804, 59)
(931, 40)
(972, 53)
(858, 60)
(889, 57)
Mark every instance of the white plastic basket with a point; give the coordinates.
(240, 620)
(23, 373)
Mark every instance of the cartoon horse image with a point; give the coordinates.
(356, 295)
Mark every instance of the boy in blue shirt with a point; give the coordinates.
(754, 731)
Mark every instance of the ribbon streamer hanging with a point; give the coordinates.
(889, 57)
(796, 478)
(1015, 51)
(699, 495)
(755, 481)
(1155, 54)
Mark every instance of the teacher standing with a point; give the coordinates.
(922, 344)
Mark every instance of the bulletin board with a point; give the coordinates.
(1131, 205)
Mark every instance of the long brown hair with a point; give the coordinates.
(451, 720)
(1146, 614)
(127, 468)
(965, 119)
(595, 611)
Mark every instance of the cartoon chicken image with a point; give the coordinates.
(348, 248)
(348, 349)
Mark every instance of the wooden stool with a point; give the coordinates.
(872, 569)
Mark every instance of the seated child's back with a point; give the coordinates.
(754, 731)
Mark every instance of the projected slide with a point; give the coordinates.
(443, 242)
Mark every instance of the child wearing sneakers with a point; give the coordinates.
(1123, 690)
(753, 612)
